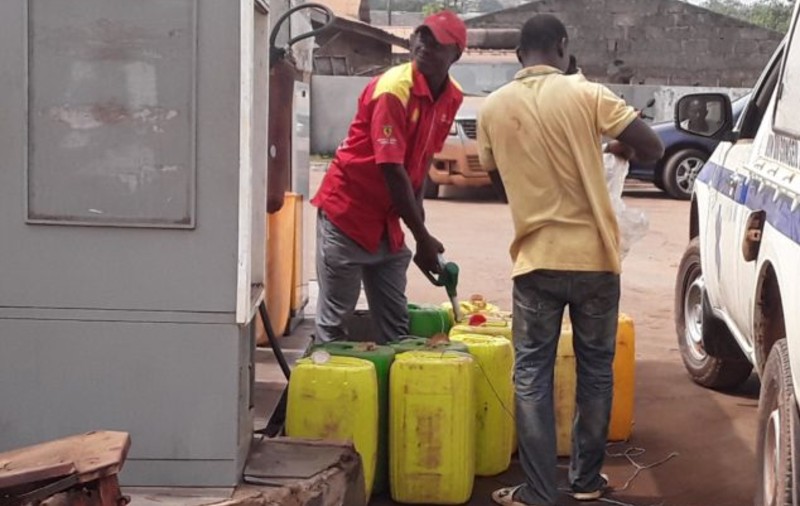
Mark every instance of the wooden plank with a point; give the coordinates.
(91, 456)
(11, 477)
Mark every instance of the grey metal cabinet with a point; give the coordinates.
(132, 188)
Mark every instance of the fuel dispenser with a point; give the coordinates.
(133, 183)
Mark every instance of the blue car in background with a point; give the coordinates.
(684, 156)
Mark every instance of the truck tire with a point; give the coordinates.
(680, 171)
(431, 190)
(774, 441)
(709, 352)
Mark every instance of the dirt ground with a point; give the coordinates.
(712, 433)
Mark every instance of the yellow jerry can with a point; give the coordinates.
(564, 387)
(621, 426)
(476, 304)
(336, 399)
(494, 396)
(500, 327)
(621, 423)
(432, 427)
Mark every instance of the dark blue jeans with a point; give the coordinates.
(539, 301)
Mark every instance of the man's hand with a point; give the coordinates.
(619, 149)
(427, 256)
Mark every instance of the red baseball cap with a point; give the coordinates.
(447, 28)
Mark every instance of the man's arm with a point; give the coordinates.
(497, 184)
(420, 195)
(638, 136)
(614, 120)
(410, 211)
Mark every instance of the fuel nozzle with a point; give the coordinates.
(448, 278)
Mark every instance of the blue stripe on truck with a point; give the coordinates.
(779, 211)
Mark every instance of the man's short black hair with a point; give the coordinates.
(542, 32)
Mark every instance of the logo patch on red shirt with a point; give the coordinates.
(388, 139)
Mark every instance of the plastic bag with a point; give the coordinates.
(633, 223)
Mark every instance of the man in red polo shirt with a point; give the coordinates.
(376, 179)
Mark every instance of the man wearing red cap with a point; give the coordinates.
(376, 179)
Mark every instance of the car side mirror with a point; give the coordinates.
(705, 114)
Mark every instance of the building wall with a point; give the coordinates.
(348, 53)
(660, 41)
(333, 106)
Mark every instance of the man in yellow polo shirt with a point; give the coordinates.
(541, 135)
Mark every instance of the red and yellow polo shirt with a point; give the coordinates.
(397, 121)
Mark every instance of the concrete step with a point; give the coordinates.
(293, 472)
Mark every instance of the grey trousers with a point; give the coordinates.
(342, 265)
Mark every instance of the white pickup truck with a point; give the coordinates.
(737, 295)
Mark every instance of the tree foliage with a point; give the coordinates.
(773, 14)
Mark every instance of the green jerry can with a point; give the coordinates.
(382, 357)
(427, 321)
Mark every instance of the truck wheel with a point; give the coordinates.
(680, 171)
(709, 351)
(774, 443)
(431, 188)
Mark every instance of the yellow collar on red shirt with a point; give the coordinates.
(420, 87)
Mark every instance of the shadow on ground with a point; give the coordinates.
(673, 415)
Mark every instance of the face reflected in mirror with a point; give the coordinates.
(698, 111)
(702, 115)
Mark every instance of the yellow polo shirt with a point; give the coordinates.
(543, 132)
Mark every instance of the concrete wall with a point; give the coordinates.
(659, 41)
(334, 98)
(333, 106)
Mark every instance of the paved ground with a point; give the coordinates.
(713, 433)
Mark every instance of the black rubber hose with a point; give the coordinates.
(277, 53)
(273, 340)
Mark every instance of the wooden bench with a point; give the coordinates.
(77, 471)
